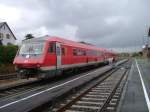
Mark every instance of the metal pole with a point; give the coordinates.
(148, 41)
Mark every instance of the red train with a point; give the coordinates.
(48, 56)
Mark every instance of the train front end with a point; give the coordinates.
(29, 59)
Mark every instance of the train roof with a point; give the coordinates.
(75, 44)
(67, 42)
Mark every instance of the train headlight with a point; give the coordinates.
(21, 71)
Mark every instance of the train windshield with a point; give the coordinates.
(32, 48)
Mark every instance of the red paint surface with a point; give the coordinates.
(47, 59)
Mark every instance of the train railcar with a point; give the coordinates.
(48, 56)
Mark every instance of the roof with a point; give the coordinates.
(1, 24)
(68, 42)
(76, 44)
(71, 43)
(4, 23)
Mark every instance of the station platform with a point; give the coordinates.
(136, 93)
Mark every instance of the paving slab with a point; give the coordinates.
(134, 98)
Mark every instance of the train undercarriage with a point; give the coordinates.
(26, 73)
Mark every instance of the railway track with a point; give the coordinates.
(16, 90)
(101, 96)
(33, 86)
(48, 91)
(8, 76)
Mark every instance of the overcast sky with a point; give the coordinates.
(105, 23)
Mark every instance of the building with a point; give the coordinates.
(146, 51)
(6, 35)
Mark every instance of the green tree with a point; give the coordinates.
(29, 36)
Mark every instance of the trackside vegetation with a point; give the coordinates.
(7, 54)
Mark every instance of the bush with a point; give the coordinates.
(7, 54)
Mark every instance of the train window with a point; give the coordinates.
(51, 48)
(87, 52)
(84, 53)
(79, 53)
(63, 51)
(75, 52)
(90, 53)
(101, 53)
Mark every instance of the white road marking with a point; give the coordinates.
(43, 91)
(144, 88)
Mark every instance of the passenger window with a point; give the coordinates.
(84, 53)
(51, 48)
(75, 52)
(63, 51)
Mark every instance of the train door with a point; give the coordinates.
(58, 55)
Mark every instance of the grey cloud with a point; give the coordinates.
(104, 23)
